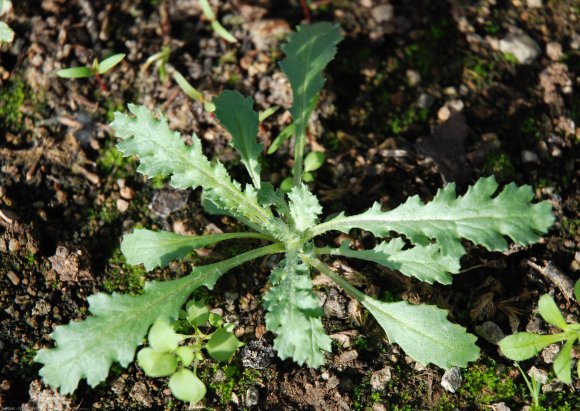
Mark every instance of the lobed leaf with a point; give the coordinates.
(294, 313)
(308, 51)
(237, 114)
(86, 349)
(304, 207)
(477, 216)
(159, 248)
(425, 263)
(163, 153)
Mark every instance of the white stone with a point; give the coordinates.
(521, 46)
(444, 113)
(529, 156)
(534, 4)
(554, 51)
(452, 380)
(382, 13)
(413, 78)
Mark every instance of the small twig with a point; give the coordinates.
(305, 10)
(556, 277)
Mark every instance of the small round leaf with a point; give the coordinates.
(185, 354)
(215, 320)
(162, 336)
(156, 364)
(186, 386)
(313, 161)
(197, 313)
(286, 184)
(222, 345)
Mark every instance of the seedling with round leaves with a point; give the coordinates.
(429, 246)
(525, 345)
(176, 348)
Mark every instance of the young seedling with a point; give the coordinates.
(167, 356)
(215, 24)
(524, 345)
(95, 70)
(429, 247)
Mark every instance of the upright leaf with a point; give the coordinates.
(294, 313)
(159, 248)
(477, 216)
(425, 263)
(237, 114)
(563, 362)
(163, 153)
(86, 349)
(304, 207)
(308, 51)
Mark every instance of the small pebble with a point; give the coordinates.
(529, 156)
(521, 46)
(452, 379)
(122, 205)
(252, 397)
(534, 4)
(382, 13)
(425, 100)
(444, 113)
(500, 406)
(13, 277)
(413, 78)
(13, 245)
(490, 332)
(456, 105)
(5, 385)
(380, 378)
(550, 353)
(127, 193)
(554, 51)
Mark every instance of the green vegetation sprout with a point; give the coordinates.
(429, 247)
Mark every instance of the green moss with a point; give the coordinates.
(27, 357)
(571, 226)
(500, 165)
(11, 99)
(112, 162)
(486, 383)
(510, 58)
(121, 276)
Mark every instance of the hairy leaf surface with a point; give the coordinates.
(159, 248)
(237, 114)
(304, 207)
(476, 216)
(294, 313)
(308, 51)
(163, 153)
(86, 349)
(425, 263)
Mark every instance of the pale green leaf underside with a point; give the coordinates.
(424, 333)
(237, 114)
(294, 313)
(477, 216)
(304, 207)
(163, 153)
(86, 349)
(425, 263)
(159, 248)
